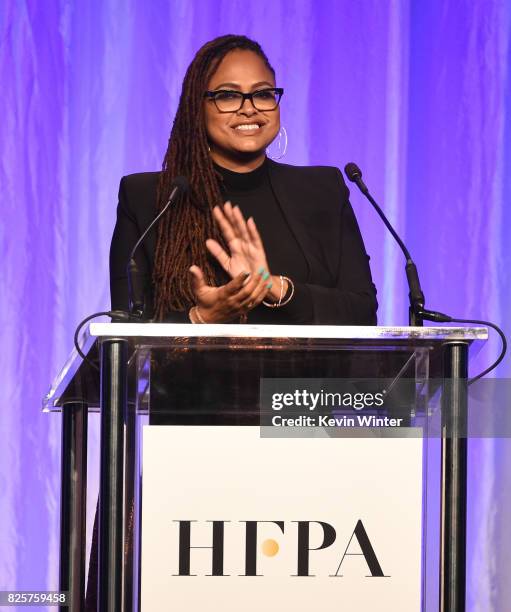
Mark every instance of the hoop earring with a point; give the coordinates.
(277, 149)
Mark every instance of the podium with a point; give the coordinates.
(204, 376)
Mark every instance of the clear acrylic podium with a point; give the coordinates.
(210, 374)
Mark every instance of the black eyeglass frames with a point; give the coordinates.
(229, 101)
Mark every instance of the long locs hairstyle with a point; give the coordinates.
(183, 231)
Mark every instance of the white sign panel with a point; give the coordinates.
(232, 521)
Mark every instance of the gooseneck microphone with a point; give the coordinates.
(135, 283)
(417, 311)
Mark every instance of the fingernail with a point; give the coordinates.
(247, 274)
(270, 285)
(266, 275)
(261, 270)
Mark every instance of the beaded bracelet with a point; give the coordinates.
(291, 291)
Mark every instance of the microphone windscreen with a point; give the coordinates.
(352, 171)
(181, 182)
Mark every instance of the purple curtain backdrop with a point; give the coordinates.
(419, 94)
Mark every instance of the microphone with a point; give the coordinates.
(417, 313)
(135, 287)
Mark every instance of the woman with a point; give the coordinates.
(304, 261)
(288, 248)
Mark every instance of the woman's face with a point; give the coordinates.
(232, 146)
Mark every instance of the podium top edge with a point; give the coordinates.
(340, 332)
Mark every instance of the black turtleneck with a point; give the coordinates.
(253, 193)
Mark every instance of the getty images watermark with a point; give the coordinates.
(384, 407)
(334, 403)
(300, 400)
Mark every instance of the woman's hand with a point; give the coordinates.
(245, 246)
(230, 301)
(246, 250)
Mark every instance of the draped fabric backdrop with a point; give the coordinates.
(417, 93)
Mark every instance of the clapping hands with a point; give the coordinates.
(246, 250)
(245, 262)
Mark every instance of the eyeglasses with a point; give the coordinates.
(228, 101)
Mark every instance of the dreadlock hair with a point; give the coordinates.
(183, 231)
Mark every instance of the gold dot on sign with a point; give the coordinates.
(270, 548)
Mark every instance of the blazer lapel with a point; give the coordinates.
(292, 203)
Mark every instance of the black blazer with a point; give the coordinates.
(315, 203)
